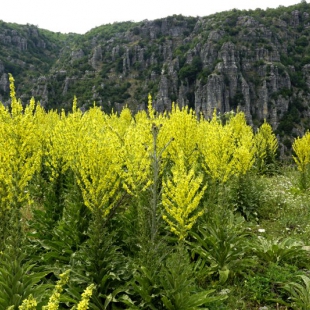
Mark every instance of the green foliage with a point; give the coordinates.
(289, 119)
(221, 242)
(109, 30)
(237, 100)
(266, 285)
(172, 285)
(19, 278)
(297, 80)
(190, 71)
(281, 251)
(245, 195)
(58, 230)
(179, 289)
(146, 287)
(302, 41)
(283, 92)
(11, 232)
(98, 261)
(203, 75)
(299, 293)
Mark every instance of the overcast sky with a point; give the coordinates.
(80, 16)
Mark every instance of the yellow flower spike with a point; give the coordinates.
(19, 137)
(181, 127)
(301, 147)
(29, 304)
(181, 196)
(151, 111)
(53, 303)
(266, 146)
(135, 155)
(86, 295)
(74, 105)
(93, 154)
(12, 86)
(16, 106)
(227, 149)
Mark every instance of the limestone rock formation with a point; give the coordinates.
(254, 61)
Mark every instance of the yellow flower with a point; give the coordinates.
(227, 149)
(181, 196)
(28, 304)
(181, 127)
(266, 146)
(53, 302)
(20, 150)
(301, 147)
(86, 295)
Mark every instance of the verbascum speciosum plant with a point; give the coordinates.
(181, 126)
(20, 155)
(181, 196)
(28, 304)
(97, 163)
(244, 144)
(136, 150)
(301, 147)
(86, 295)
(64, 140)
(53, 303)
(31, 304)
(266, 144)
(217, 149)
(228, 149)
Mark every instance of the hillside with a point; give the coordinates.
(256, 60)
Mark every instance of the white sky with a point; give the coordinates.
(80, 16)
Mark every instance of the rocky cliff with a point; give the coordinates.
(256, 61)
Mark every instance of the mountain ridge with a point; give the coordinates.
(257, 61)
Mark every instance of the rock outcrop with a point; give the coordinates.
(254, 61)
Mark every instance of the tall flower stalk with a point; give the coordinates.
(182, 193)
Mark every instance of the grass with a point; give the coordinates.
(284, 215)
(286, 209)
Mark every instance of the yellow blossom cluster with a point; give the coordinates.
(181, 127)
(181, 196)
(29, 304)
(20, 150)
(86, 295)
(266, 145)
(110, 155)
(301, 147)
(136, 155)
(228, 149)
(53, 304)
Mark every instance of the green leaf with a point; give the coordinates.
(223, 275)
(167, 303)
